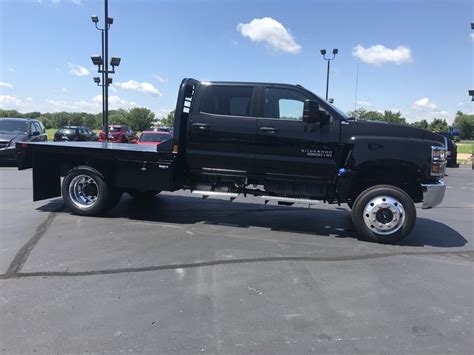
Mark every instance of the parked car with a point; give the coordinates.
(13, 130)
(74, 133)
(163, 129)
(118, 134)
(452, 153)
(153, 138)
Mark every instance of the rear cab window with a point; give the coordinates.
(226, 100)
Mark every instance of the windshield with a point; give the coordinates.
(66, 131)
(13, 126)
(114, 129)
(154, 137)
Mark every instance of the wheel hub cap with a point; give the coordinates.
(384, 215)
(83, 191)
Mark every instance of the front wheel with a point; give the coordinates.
(383, 214)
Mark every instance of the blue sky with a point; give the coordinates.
(413, 56)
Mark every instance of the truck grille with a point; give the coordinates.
(3, 144)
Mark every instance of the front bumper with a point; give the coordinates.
(8, 153)
(433, 194)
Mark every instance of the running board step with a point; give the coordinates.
(206, 194)
(289, 200)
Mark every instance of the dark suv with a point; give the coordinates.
(74, 133)
(118, 134)
(14, 130)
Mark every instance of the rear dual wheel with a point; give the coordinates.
(383, 214)
(86, 192)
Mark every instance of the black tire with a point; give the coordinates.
(99, 187)
(143, 195)
(406, 218)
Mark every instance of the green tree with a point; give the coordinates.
(386, 116)
(119, 116)
(465, 123)
(140, 118)
(10, 113)
(421, 124)
(168, 121)
(438, 125)
(393, 117)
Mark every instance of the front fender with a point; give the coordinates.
(391, 152)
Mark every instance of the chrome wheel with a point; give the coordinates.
(83, 191)
(384, 215)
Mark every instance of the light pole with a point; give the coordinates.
(471, 92)
(101, 61)
(323, 53)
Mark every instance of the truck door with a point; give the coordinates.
(287, 147)
(222, 128)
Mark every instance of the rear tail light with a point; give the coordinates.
(438, 161)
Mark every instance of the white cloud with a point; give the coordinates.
(364, 103)
(380, 54)
(424, 104)
(161, 79)
(460, 104)
(64, 90)
(272, 33)
(78, 70)
(11, 69)
(13, 102)
(472, 36)
(141, 87)
(6, 85)
(92, 105)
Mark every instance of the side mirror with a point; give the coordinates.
(311, 112)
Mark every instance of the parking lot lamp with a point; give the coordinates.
(323, 53)
(102, 63)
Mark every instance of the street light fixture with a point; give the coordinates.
(115, 61)
(323, 53)
(96, 60)
(101, 61)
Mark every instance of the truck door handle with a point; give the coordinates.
(269, 129)
(201, 126)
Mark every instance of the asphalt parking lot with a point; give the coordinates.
(181, 274)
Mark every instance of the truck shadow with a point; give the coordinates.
(314, 222)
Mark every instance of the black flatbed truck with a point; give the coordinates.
(277, 141)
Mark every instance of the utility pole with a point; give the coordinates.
(323, 53)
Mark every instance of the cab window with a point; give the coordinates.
(283, 104)
(227, 100)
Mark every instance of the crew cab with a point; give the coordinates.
(278, 142)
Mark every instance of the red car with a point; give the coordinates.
(153, 138)
(118, 134)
